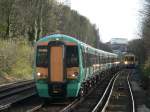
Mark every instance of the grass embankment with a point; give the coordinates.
(16, 60)
(145, 68)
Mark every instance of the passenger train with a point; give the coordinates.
(66, 67)
(130, 60)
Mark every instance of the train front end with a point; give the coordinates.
(57, 68)
(129, 61)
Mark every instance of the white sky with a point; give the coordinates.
(114, 18)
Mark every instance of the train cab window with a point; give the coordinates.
(72, 57)
(129, 58)
(42, 56)
(84, 59)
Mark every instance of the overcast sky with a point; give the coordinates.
(114, 18)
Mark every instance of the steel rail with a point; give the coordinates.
(70, 106)
(131, 94)
(8, 86)
(35, 108)
(12, 83)
(16, 92)
(106, 104)
(77, 101)
(14, 99)
(96, 108)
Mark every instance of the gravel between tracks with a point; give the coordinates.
(120, 98)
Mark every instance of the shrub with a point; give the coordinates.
(16, 58)
(146, 68)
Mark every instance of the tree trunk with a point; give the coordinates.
(35, 31)
(41, 21)
(8, 27)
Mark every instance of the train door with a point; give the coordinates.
(57, 82)
(56, 64)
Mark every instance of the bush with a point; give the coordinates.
(146, 68)
(16, 58)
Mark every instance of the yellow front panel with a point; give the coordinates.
(71, 71)
(56, 64)
(43, 71)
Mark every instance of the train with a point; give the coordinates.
(65, 67)
(130, 60)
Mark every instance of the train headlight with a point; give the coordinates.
(38, 74)
(57, 39)
(117, 62)
(41, 76)
(73, 76)
(125, 62)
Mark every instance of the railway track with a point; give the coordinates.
(14, 92)
(120, 97)
(87, 103)
(50, 106)
(99, 99)
(94, 101)
(71, 104)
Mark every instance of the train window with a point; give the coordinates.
(72, 57)
(103, 60)
(42, 56)
(88, 60)
(92, 59)
(132, 58)
(99, 59)
(84, 57)
(129, 58)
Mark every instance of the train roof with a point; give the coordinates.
(57, 36)
(72, 39)
(129, 54)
